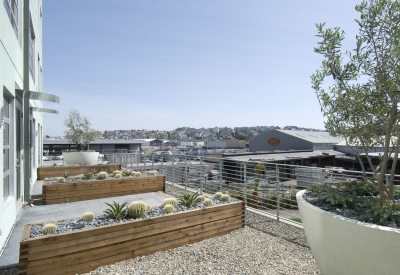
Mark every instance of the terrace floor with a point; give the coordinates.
(263, 246)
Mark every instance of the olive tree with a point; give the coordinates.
(79, 131)
(358, 89)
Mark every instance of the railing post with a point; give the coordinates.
(185, 174)
(173, 172)
(152, 161)
(244, 183)
(220, 174)
(277, 192)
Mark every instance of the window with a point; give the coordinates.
(12, 11)
(32, 51)
(7, 189)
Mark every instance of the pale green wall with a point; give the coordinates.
(11, 72)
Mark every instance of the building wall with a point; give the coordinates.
(286, 142)
(346, 149)
(11, 77)
(216, 144)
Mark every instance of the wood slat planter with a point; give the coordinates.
(89, 190)
(57, 171)
(85, 250)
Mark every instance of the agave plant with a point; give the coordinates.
(116, 211)
(189, 199)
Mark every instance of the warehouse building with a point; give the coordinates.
(285, 140)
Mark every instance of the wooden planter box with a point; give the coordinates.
(89, 190)
(86, 250)
(57, 171)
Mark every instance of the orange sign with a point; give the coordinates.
(274, 142)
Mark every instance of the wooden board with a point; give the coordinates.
(89, 190)
(85, 250)
(57, 171)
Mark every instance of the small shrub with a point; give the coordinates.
(88, 217)
(171, 201)
(137, 209)
(116, 211)
(102, 175)
(218, 195)
(118, 176)
(49, 228)
(225, 198)
(168, 208)
(126, 173)
(189, 199)
(60, 179)
(208, 202)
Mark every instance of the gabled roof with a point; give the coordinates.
(313, 137)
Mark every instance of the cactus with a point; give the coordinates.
(225, 198)
(118, 176)
(171, 201)
(88, 217)
(102, 175)
(137, 209)
(49, 228)
(201, 198)
(60, 179)
(78, 177)
(152, 173)
(168, 208)
(138, 174)
(116, 172)
(218, 195)
(148, 207)
(208, 202)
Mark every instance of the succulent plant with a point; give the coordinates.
(137, 209)
(116, 172)
(148, 207)
(208, 202)
(218, 195)
(201, 198)
(225, 198)
(189, 199)
(60, 179)
(102, 175)
(138, 174)
(65, 174)
(49, 228)
(78, 177)
(88, 217)
(126, 173)
(168, 208)
(152, 173)
(171, 201)
(116, 211)
(118, 176)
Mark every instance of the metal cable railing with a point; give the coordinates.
(267, 187)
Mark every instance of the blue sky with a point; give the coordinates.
(166, 64)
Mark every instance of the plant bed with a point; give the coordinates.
(95, 189)
(85, 250)
(350, 229)
(57, 171)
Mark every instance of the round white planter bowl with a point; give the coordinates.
(81, 158)
(345, 246)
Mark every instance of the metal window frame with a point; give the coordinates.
(12, 11)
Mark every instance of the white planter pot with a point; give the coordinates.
(345, 246)
(81, 158)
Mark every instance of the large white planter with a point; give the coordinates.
(81, 158)
(345, 246)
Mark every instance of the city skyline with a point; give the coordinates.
(161, 65)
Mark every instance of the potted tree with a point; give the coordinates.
(80, 133)
(359, 103)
